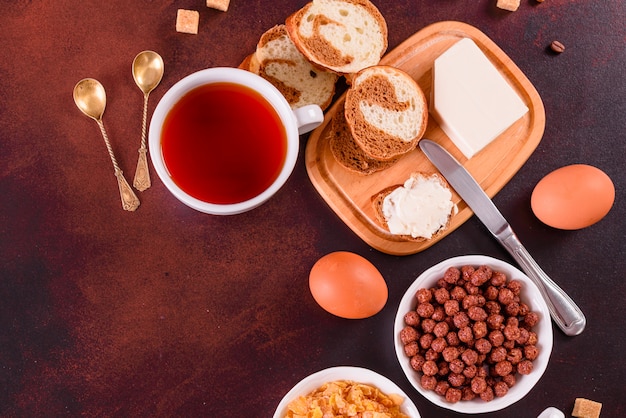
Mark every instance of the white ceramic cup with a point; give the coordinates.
(295, 122)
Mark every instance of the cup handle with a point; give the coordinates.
(308, 118)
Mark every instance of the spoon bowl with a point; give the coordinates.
(90, 98)
(147, 72)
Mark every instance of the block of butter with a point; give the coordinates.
(471, 100)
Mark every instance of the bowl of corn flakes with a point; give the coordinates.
(346, 391)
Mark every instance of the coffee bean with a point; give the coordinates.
(557, 47)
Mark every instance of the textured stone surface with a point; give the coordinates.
(169, 312)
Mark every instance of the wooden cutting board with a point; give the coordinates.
(349, 194)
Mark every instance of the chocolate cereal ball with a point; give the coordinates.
(470, 335)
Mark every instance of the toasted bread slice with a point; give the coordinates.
(387, 112)
(278, 60)
(246, 64)
(418, 210)
(347, 152)
(343, 36)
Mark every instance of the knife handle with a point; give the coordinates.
(565, 313)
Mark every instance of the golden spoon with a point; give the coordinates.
(91, 99)
(147, 72)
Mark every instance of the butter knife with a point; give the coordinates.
(562, 308)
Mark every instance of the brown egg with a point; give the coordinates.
(347, 285)
(573, 197)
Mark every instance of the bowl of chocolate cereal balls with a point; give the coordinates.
(473, 334)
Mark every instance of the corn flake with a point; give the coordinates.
(344, 398)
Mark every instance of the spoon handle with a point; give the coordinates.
(142, 174)
(130, 202)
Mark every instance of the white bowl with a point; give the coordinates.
(356, 374)
(530, 295)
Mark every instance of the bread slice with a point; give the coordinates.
(387, 112)
(418, 210)
(343, 36)
(347, 152)
(246, 64)
(278, 60)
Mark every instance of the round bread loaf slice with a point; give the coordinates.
(343, 36)
(246, 64)
(347, 152)
(279, 61)
(387, 112)
(418, 210)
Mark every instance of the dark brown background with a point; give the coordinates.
(170, 312)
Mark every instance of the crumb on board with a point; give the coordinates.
(187, 21)
(218, 4)
(585, 408)
(510, 5)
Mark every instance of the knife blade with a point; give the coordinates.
(565, 313)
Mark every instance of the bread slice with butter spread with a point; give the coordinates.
(343, 36)
(278, 60)
(418, 210)
(387, 112)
